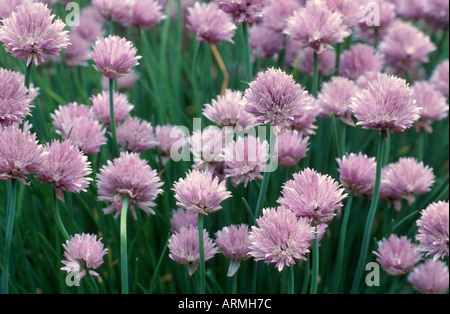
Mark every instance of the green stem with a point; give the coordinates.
(338, 57)
(247, 53)
(315, 80)
(112, 118)
(341, 247)
(291, 280)
(58, 219)
(306, 276)
(163, 254)
(202, 284)
(123, 246)
(370, 216)
(28, 75)
(315, 268)
(336, 137)
(234, 284)
(12, 198)
(264, 184)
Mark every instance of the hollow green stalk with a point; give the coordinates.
(12, 199)
(315, 266)
(123, 246)
(247, 52)
(115, 150)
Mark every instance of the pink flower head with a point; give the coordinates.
(335, 98)
(182, 218)
(387, 104)
(434, 105)
(14, 100)
(228, 110)
(312, 195)
(8, 6)
(83, 253)
(353, 11)
(171, 140)
(128, 176)
(100, 107)
(376, 25)
(233, 241)
(275, 98)
(440, 78)
(291, 147)
(409, 9)
(146, 14)
(91, 25)
(136, 135)
(210, 24)
(64, 166)
(245, 159)
(397, 255)
(281, 238)
(304, 122)
(357, 173)
(200, 192)
(317, 26)
(243, 10)
(360, 59)
(33, 92)
(431, 277)
(20, 153)
(184, 248)
(432, 233)
(117, 10)
(78, 53)
(327, 61)
(207, 148)
(124, 83)
(277, 13)
(264, 41)
(404, 47)
(437, 14)
(30, 33)
(66, 114)
(86, 133)
(114, 56)
(404, 179)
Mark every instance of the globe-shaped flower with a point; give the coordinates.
(397, 255)
(64, 166)
(431, 277)
(128, 176)
(305, 58)
(434, 105)
(200, 192)
(136, 135)
(20, 153)
(440, 78)
(432, 233)
(31, 34)
(91, 25)
(86, 133)
(280, 237)
(334, 99)
(405, 46)
(228, 110)
(291, 147)
(101, 110)
(117, 10)
(234, 242)
(14, 100)
(210, 24)
(83, 254)
(357, 173)
(33, 91)
(146, 14)
(78, 53)
(277, 12)
(182, 218)
(264, 42)
(358, 60)
(316, 26)
(304, 122)
(66, 114)
(184, 248)
(114, 56)
(312, 195)
(207, 148)
(275, 98)
(8, 6)
(245, 159)
(243, 10)
(404, 179)
(353, 11)
(171, 141)
(387, 104)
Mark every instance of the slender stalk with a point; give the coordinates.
(123, 246)
(306, 275)
(28, 75)
(341, 247)
(58, 219)
(223, 68)
(291, 280)
(12, 198)
(315, 79)
(247, 52)
(163, 254)
(234, 284)
(338, 57)
(202, 284)
(370, 216)
(264, 184)
(336, 137)
(112, 118)
(315, 268)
